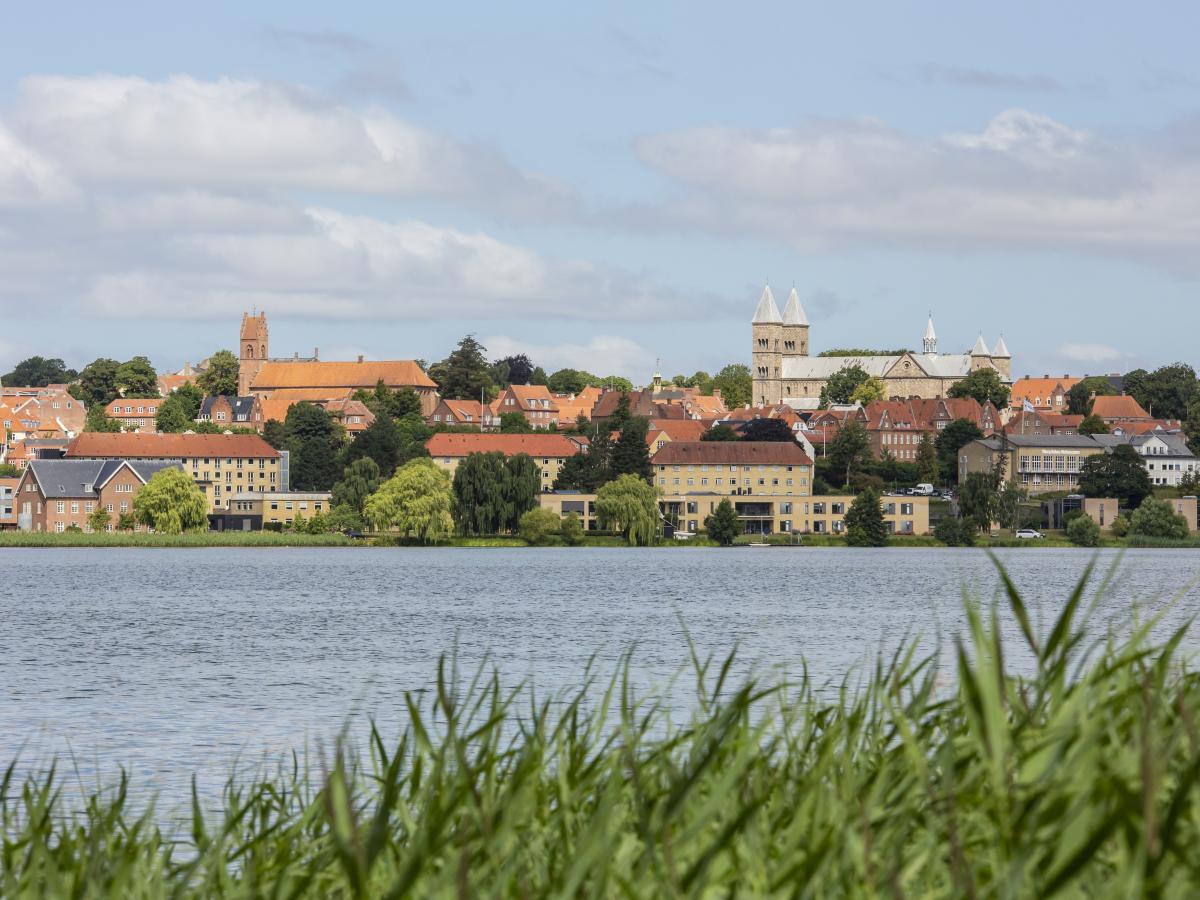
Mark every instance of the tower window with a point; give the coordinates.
(249, 351)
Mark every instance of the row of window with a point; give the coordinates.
(733, 482)
(229, 461)
(715, 468)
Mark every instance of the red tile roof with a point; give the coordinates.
(1120, 407)
(288, 374)
(131, 445)
(732, 453)
(544, 445)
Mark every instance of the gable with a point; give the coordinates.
(906, 366)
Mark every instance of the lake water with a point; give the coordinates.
(178, 661)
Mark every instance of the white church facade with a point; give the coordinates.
(784, 372)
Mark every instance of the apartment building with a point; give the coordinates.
(898, 426)
(1044, 394)
(232, 412)
(549, 451)
(224, 465)
(1165, 455)
(255, 511)
(533, 401)
(57, 494)
(135, 415)
(8, 512)
(1040, 463)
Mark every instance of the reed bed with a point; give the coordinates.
(1079, 779)
(144, 539)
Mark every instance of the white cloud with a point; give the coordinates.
(27, 178)
(1025, 180)
(1090, 353)
(602, 355)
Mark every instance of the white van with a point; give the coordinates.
(924, 490)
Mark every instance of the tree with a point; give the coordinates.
(1167, 392)
(864, 521)
(569, 381)
(631, 452)
(571, 530)
(701, 381)
(523, 483)
(416, 501)
(1093, 425)
(414, 431)
(1083, 531)
(1008, 504)
(849, 451)
(479, 489)
(314, 441)
(540, 527)
(379, 442)
(1079, 398)
(1191, 428)
(178, 412)
(275, 434)
(8, 470)
(842, 384)
(978, 502)
(126, 521)
(514, 423)
(928, 469)
(950, 440)
(620, 415)
(221, 376)
(465, 373)
(984, 385)
(954, 532)
(722, 524)
(591, 468)
(37, 371)
(869, 391)
(1117, 474)
(735, 384)
(171, 503)
(615, 383)
(97, 420)
(538, 376)
(629, 505)
(720, 433)
(136, 378)
(97, 382)
(99, 519)
(512, 370)
(1156, 518)
(383, 401)
(775, 430)
(359, 481)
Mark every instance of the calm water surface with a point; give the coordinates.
(178, 661)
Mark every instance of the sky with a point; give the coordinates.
(600, 185)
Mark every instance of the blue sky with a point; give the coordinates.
(607, 184)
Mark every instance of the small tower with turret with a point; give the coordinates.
(252, 350)
(981, 358)
(1002, 359)
(929, 342)
(766, 356)
(795, 327)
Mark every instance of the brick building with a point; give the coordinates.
(56, 494)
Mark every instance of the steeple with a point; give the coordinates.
(1000, 351)
(793, 312)
(980, 348)
(929, 342)
(767, 313)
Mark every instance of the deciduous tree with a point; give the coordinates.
(37, 371)
(416, 501)
(465, 374)
(136, 378)
(1117, 474)
(629, 505)
(1079, 398)
(97, 382)
(720, 433)
(221, 376)
(171, 503)
(775, 430)
(540, 527)
(849, 451)
(631, 452)
(950, 440)
(314, 441)
(984, 385)
(735, 384)
(359, 481)
(978, 501)
(179, 410)
(842, 384)
(1093, 425)
(869, 391)
(380, 442)
(1156, 518)
(722, 524)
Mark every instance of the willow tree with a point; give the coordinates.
(416, 501)
(629, 505)
(171, 503)
(480, 493)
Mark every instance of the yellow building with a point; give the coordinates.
(1039, 462)
(549, 451)
(254, 511)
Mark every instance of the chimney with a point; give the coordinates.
(360, 357)
(316, 355)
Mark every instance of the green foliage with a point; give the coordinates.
(127, 521)
(177, 413)
(720, 433)
(590, 469)
(1119, 526)
(950, 440)
(8, 470)
(359, 481)
(842, 384)
(1008, 504)
(849, 451)
(722, 524)
(515, 423)
(1083, 532)
(413, 432)
(516, 369)
(1167, 393)
(221, 376)
(1157, 519)
(465, 373)
(978, 500)
(97, 420)
(380, 442)
(394, 404)
(570, 381)
(614, 383)
(869, 391)
(571, 530)
(540, 527)
(275, 434)
(136, 378)
(492, 492)
(735, 384)
(629, 505)
(852, 351)
(1079, 398)
(701, 381)
(37, 371)
(539, 376)
(171, 503)
(1093, 425)
(954, 532)
(865, 526)
(416, 502)
(315, 442)
(773, 430)
(99, 519)
(631, 453)
(1119, 474)
(984, 385)
(928, 468)
(97, 382)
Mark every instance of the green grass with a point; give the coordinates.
(1078, 780)
(141, 539)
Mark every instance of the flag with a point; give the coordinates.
(1026, 406)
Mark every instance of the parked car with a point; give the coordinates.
(1029, 534)
(924, 490)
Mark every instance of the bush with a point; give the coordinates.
(571, 530)
(1158, 519)
(540, 527)
(1120, 526)
(954, 533)
(1082, 531)
(723, 525)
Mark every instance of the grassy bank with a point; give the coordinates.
(1078, 781)
(140, 539)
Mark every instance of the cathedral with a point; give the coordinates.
(783, 371)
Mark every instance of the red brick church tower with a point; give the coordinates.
(252, 350)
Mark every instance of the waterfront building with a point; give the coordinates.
(783, 371)
(1166, 455)
(1039, 462)
(549, 451)
(56, 494)
(224, 465)
(252, 511)
(8, 512)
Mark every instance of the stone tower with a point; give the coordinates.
(766, 356)
(253, 345)
(981, 357)
(795, 327)
(1002, 359)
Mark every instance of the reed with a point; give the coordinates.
(144, 539)
(1079, 779)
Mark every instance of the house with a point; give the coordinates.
(534, 401)
(28, 413)
(222, 464)
(8, 513)
(1119, 409)
(353, 415)
(661, 432)
(549, 451)
(253, 511)
(1166, 456)
(135, 415)
(769, 484)
(57, 494)
(170, 382)
(1040, 463)
(1044, 394)
(1037, 422)
(457, 412)
(898, 426)
(233, 412)
(572, 407)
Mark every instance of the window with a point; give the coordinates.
(75, 507)
(61, 506)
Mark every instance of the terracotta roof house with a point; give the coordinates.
(662, 431)
(352, 415)
(1045, 394)
(534, 401)
(54, 495)
(135, 415)
(233, 412)
(549, 451)
(1025, 422)
(740, 453)
(1119, 408)
(572, 406)
(457, 412)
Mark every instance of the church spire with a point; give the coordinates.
(929, 342)
(793, 312)
(767, 312)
